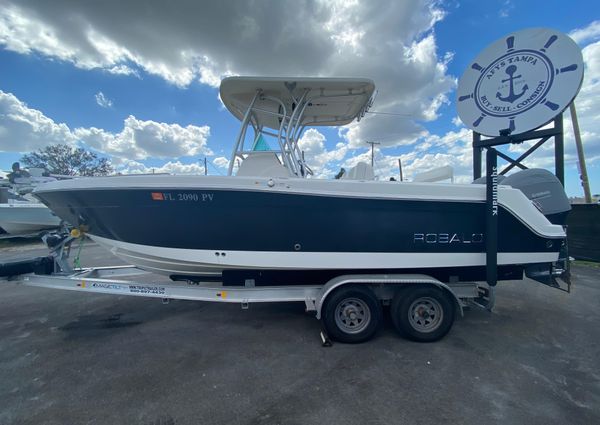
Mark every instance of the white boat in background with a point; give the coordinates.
(17, 218)
(20, 212)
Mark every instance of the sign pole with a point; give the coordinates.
(476, 155)
(491, 216)
(582, 167)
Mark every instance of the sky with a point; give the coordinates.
(138, 81)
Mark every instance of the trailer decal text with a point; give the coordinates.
(140, 289)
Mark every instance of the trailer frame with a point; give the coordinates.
(57, 273)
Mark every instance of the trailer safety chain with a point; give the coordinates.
(76, 262)
(78, 234)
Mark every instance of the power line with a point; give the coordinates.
(390, 113)
(215, 168)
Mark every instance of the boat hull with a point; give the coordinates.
(17, 219)
(206, 263)
(204, 230)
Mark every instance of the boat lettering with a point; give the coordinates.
(494, 190)
(183, 196)
(447, 238)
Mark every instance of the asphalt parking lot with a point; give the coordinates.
(74, 358)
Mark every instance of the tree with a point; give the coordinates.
(67, 160)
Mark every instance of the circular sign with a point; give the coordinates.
(520, 82)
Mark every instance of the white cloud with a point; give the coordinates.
(324, 163)
(506, 8)
(587, 110)
(390, 41)
(102, 100)
(431, 151)
(586, 34)
(312, 143)
(123, 70)
(424, 88)
(176, 167)
(148, 139)
(23, 129)
(221, 162)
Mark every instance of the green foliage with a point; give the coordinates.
(67, 160)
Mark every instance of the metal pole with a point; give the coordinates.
(242, 133)
(476, 156)
(491, 217)
(205, 169)
(582, 167)
(559, 149)
(400, 168)
(373, 152)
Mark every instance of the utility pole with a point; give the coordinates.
(582, 167)
(373, 152)
(400, 168)
(205, 169)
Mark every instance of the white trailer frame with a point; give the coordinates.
(129, 280)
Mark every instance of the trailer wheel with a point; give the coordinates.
(423, 313)
(352, 314)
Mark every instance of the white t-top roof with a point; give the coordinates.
(331, 101)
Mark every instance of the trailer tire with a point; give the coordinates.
(423, 313)
(352, 314)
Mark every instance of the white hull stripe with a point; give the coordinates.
(175, 260)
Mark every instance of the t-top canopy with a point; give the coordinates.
(329, 101)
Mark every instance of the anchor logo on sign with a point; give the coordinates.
(510, 70)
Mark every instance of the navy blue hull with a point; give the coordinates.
(269, 221)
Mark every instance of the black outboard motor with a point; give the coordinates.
(544, 190)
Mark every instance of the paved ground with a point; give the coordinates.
(71, 358)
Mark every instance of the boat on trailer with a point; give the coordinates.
(270, 232)
(269, 217)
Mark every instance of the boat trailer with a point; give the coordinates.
(348, 306)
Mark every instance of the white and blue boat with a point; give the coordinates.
(269, 217)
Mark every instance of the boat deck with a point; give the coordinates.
(70, 357)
